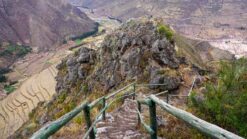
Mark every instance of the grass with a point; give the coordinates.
(79, 119)
(225, 100)
(166, 31)
(78, 41)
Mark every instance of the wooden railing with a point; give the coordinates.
(86, 107)
(151, 101)
(199, 124)
(53, 127)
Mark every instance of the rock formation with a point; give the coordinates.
(134, 51)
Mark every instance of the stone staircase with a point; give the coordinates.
(121, 123)
(14, 109)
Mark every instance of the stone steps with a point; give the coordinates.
(121, 123)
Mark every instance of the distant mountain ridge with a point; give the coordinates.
(41, 23)
(208, 19)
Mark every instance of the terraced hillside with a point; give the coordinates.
(14, 110)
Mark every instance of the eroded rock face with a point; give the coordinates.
(170, 83)
(164, 54)
(76, 67)
(133, 51)
(41, 23)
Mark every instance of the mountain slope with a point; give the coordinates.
(41, 24)
(208, 19)
(136, 51)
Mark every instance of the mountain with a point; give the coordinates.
(206, 19)
(41, 24)
(137, 51)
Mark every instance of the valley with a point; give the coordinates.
(221, 23)
(36, 74)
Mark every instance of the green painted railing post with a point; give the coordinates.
(104, 104)
(88, 121)
(153, 120)
(140, 110)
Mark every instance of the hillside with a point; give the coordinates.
(204, 19)
(33, 26)
(137, 51)
(41, 24)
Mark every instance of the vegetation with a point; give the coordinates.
(62, 97)
(78, 41)
(11, 51)
(165, 30)
(79, 119)
(2, 72)
(18, 50)
(9, 89)
(85, 35)
(2, 78)
(225, 103)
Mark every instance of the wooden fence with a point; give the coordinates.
(152, 101)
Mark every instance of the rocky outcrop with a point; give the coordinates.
(134, 51)
(41, 24)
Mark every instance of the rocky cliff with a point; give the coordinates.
(41, 24)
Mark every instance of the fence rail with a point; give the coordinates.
(151, 101)
(199, 124)
(86, 107)
(53, 127)
(90, 131)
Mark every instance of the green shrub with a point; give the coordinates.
(18, 50)
(31, 114)
(61, 97)
(85, 88)
(226, 99)
(4, 70)
(9, 89)
(65, 42)
(70, 106)
(166, 31)
(2, 78)
(79, 119)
